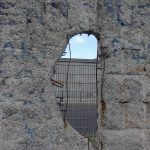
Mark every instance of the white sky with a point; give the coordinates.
(83, 47)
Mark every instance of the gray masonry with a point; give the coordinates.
(34, 34)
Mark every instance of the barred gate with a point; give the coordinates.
(80, 97)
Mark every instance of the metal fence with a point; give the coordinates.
(80, 97)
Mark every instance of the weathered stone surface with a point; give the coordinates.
(129, 139)
(34, 34)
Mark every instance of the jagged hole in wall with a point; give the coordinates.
(75, 84)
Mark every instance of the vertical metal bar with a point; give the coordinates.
(67, 86)
(97, 61)
(88, 143)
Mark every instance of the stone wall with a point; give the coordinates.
(125, 81)
(34, 34)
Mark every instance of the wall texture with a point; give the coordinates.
(34, 34)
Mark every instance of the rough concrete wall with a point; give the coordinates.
(34, 34)
(125, 75)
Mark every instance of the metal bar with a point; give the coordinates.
(80, 96)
